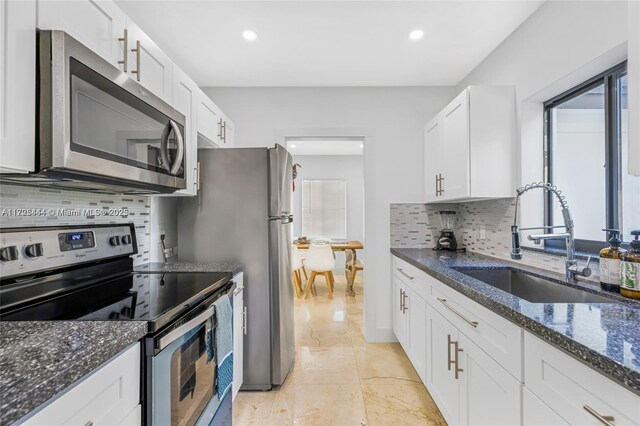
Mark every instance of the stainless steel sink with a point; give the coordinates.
(533, 289)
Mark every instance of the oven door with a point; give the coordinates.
(183, 371)
(96, 120)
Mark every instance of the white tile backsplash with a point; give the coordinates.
(20, 197)
(417, 226)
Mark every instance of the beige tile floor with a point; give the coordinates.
(338, 378)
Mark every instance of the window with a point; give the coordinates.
(324, 209)
(586, 158)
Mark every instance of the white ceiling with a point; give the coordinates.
(325, 147)
(328, 43)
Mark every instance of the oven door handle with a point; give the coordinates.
(184, 328)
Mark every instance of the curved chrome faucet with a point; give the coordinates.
(572, 268)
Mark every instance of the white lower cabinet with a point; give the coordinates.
(537, 413)
(109, 396)
(441, 375)
(399, 316)
(239, 328)
(579, 395)
(416, 310)
(489, 395)
(482, 369)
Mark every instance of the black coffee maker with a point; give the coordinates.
(447, 239)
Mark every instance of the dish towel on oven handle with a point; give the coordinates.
(224, 344)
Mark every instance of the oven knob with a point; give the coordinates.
(33, 250)
(8, 253)
(114, 241)
(126, 239)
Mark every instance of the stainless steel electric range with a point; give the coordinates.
(86, 273)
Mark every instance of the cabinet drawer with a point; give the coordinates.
(573, 390)
(497, 336)
(412, 276)
(106, 397)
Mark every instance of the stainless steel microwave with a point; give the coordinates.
(100, 130)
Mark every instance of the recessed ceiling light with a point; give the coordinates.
(292, 145)
(416, 34)
(361, 145)
(249, 35)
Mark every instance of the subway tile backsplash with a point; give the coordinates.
(418, 226)
(50, 204)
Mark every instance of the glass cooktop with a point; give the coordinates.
(153, 297)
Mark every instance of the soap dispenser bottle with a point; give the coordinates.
(610, 262)
(630, 277)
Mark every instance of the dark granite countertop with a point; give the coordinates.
(180, 266)
(40, 359)
(604, 336)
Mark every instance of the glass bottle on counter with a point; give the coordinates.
(630, 268)
(610, 262)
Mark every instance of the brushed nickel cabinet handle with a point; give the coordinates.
(405, 274)
(125, 43)
(197, 176)
(437, 190)
(89, 423)
(441, 188)
(401, 300)
(470, 322)
(244, 320)
(220, 130)
(605, 420)
(224, 132)
(457, 370)
(137, 70)
(404, 302)
(449, 343)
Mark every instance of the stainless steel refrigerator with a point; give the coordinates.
(243, 212)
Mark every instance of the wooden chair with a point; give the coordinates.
(352, 266)
(296, 266)
(320, 261)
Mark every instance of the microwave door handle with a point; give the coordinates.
(164, 142)
(176, 165)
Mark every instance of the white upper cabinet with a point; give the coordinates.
(215, 130)
(209, 123)
(185, 100)
(98, 24)
(17, 86)
(469, 147)
(147, 64)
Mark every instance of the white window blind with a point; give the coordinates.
(324, 209)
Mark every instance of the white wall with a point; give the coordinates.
(349, 168)
(390, 120)
(562, 44)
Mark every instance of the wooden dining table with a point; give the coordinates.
(351, 246)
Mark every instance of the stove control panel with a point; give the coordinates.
(26, 251)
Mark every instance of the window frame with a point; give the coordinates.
(613, 168)
(346, 199)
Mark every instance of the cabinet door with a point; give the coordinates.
(416, 312)
(209, 123)
(489, 395)
(238, 337)
(17, 86)
(456, 148)
(441, 381)
(149, 65)
(399, 314)
(184, 100)
(98, 24)
(105, 397)
(229, 134)
(537, 413)
(433, 150)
